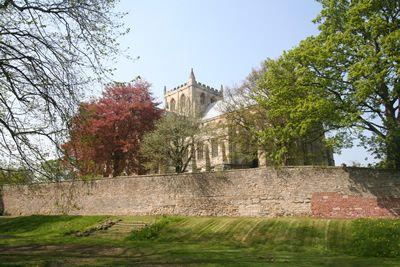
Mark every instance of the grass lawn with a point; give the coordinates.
(211, 241)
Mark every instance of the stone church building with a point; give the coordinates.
(215, 151)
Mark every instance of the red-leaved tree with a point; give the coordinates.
(105, 134)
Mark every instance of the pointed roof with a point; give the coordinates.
(213, 110)
(192, 78)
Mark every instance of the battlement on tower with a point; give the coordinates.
(191, 97)
(198, 85)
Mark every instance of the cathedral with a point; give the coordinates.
(215, 151)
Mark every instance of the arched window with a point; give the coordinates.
(183, 103)
(172, 105)
(188, 105)
(202, 99)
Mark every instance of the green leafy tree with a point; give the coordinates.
(172, 143)
(260, 111)
(55, 170)
(345, 80)
(298, 116)
(15, 176)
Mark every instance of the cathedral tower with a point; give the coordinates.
(190, 98)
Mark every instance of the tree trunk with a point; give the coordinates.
(392, 139)
(118, 165)
(393, 148)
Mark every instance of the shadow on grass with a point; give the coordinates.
(187, 256)
(31, 223)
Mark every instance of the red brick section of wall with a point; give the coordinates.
(330, 204)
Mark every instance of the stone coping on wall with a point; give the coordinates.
(204, 172)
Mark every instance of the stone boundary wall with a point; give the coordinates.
(287, 191)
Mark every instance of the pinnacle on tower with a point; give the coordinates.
(192, 78)
(165, 89)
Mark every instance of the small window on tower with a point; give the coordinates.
(212, 100)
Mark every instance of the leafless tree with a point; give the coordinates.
(245, 116)
(49, 51)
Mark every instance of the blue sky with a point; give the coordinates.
(222, 40)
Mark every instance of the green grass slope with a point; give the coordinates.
(200, 240)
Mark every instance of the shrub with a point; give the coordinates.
(153, 230)
(375, 237)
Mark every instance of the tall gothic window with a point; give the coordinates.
(202, 98)
(172, 105)
(214, 148)
(183, 103)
